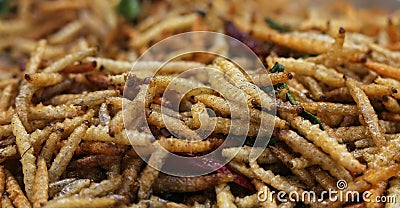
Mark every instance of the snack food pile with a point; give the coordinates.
(330, 92)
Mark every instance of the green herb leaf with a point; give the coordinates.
(5, 7)
(276, 26)
(130, 9)
(273, 140)
(312, 118)
(277, 68)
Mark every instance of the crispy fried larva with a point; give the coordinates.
(2, 179)
(391, 104)
(23, 100)
(300, 162)
(48, 112)
(102, 188)
(276, 181)
(393, 191)
(172, 23)
(323, 178)
(330, 108)
(57, 186)
(150, 174)
(78, 201)
(50, 146)
(313, 86)
(101, 133)
(60, 64)
(128, 186)
(15, 193)
(73, 188)
(376, 191)
(242, 154)
(174, 125)
(384, 69)
(260, 186)
(283, 155)
(388, 82)
(89, 99)
(226, 108)
(25, 150)
(367, 112)
(225, 199)
(328, 144)
(315, 155)
(178, 145)
(104, 115)
(43, 79)
(168, 183)
(240, 80)
(229, 91)
(5, 201)
(306, 42)
(301, 67)
(41, 184)
(66, 33)
(7, 152)
(265, 79)
(7, 96)
(67, 151)
(241, 168)
(247, 201)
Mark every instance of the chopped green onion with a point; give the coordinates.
(276, 26)
(130, 9)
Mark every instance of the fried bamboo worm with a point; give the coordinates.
(327, 143)
(178, 145)
(2, 179)
(226, 108)
(26, 151)
(150, 174)
(384, 69)
(284, 156)
(5, 130)
(41, 184)
(60, 64)
(23, 100)
(260, 186)
(242, 154)
(174, 23)
(323, 178)
(301, 67)
(175, 125)
(276, 181)
(270, 79)
(330, 108)
(102, 188)
(237, 77)
(64, 156)
(43, 79)
(57, 186)
(89, 99)
(367, 112)
(8, 152)
(129, 187)
(376, 191)
(73, 188)
(5, 201)
(313, 86)
(66, 33)
(7, 96)
(167, 183)
(391, 104)
(312, 153)
(78, 201)
(16, 195)
(225, 199)
(393, 191)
